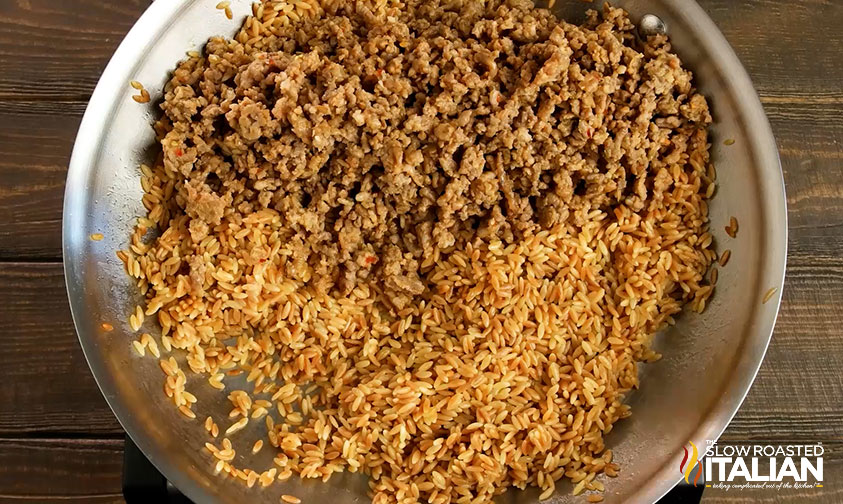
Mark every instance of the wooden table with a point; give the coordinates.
(60, 442)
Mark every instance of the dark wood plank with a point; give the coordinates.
(89, 471)
(51, 54)
(36, 139)
(788, 47)
(61, 470)
(810, 141)
(47, 386)
(799, 88)
(797, 393)
(56, 49)
(51, 49)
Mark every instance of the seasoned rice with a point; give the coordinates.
(435, 238)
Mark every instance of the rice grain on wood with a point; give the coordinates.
(437, 238)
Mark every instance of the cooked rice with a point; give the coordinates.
(186, 411)
(768, 295)
(136, 319)
(512, 363)
(732, 228)
(143, 97)
(236, 426)
(149, 343)
(724, 257)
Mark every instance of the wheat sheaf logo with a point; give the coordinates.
(687, 465)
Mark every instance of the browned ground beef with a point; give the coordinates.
(379, 139)
(436, 238)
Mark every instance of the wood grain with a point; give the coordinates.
(47, 387)
(60, 470)
(797, 393)
(51, 55)
(790, 47)
(53, 49)
(799, 88)
(37, 138)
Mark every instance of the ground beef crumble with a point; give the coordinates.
(381, 137)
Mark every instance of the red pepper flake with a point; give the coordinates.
(379, 72)
(271, 61)
(589, 132)
(371, 260)
(179, 152)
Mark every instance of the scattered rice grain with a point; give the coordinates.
(724, 257)
(186, 411)
(732, 228)
(768, 295)
(236, 426)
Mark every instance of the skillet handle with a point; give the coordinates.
(142, 483)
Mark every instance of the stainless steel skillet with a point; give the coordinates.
(691, 395)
